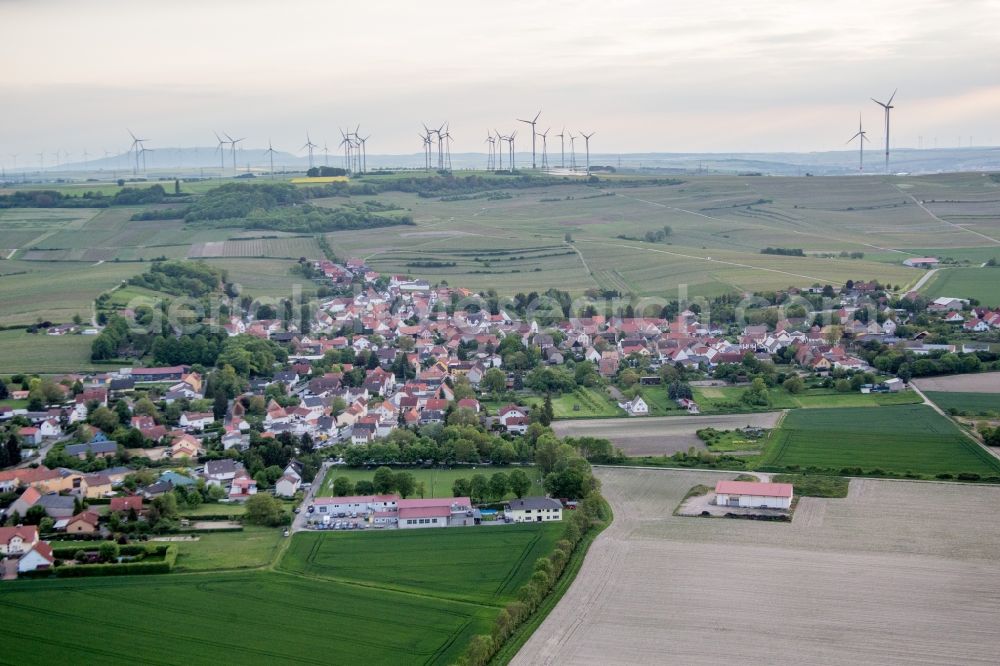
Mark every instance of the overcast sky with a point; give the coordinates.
(707, 76)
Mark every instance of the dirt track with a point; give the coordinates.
(659, 435)
(896, 573)
(985, 382)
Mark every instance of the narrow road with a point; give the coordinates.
(943, 221)
(923, 280)
(299, 521)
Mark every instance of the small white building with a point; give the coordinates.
(433, 512)
(635, 407)
(39, 557)
(534, 510)
(354, 504)
(287, 486)
(753, 495)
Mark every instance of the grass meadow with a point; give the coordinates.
(897, 439)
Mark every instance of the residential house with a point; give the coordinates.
(635, 407)
(18, 540)
(243, 486)
(126, 504)
(534, 510)
(85, 522)
(222, 472)
(39, 557)
(96, 449)
(287, 485)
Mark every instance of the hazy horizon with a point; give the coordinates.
(645, 76)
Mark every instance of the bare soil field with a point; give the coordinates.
(660, 435)
(898, 572)
(984, 382)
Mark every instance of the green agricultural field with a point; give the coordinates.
(899, 439)
(56, 290)
(982, 284)
(24, 352)
(482, 566)
(253, 617)
(437, 482)
(718, 399)
(399, 597)
(972, 404)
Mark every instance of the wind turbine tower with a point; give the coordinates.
(545, 148)
(887, 107)
(586, 138)
(270, 154)
(572, 152)
(310, 145)
(861, 136)
(532, 123)
(232, 147)
(220, 148)
(562, 148)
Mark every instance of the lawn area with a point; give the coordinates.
(251, 548)
(25, 352)
(900, 439)
(217, 509)
(483, 566)
(970, 404)
(437, 481)
(249, 618)
(983, 284)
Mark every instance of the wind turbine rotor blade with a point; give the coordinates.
(892, 96)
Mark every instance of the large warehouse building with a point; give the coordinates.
(753, 495)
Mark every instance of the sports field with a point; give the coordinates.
(437, 482)
(899, 439)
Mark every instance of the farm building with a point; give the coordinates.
(534, 510)
(922, 262)
(753, 495)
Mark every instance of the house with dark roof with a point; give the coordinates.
(98, 449)
(534, 510)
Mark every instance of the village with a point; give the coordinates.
(393, 356)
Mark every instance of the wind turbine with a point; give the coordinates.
(364, 152)
(427, 146)
(532, 123)
(310, 145)
(887, 107)
(347, 145)
(447, 147)
(510, 142)
(562, 148)
(491, 151)
(545, 148)
(572, 152)
(326, 154)
(232, 148)
(586, 138)
(500, 140)
(136, 146)
(219, 148)
(861, 136)
(270, 154)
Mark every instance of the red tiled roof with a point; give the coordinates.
(754, 488)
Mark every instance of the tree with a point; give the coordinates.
(519, 483)
(364, 487)
(405, 484)
(494, 381)
(461, 488)
(677, 390)
(479, 488)
(343, 486)
(108, 551)
(421, 489)
(757, 394)
(794, 384)
(13, 450)
(384, 480)
(842, 386)
(499, 484)
(503, 453)
(264, 509)
(104, 418)
(34, 515)
(122, 411)
(547, 413)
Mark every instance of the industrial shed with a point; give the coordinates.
(754, 495)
